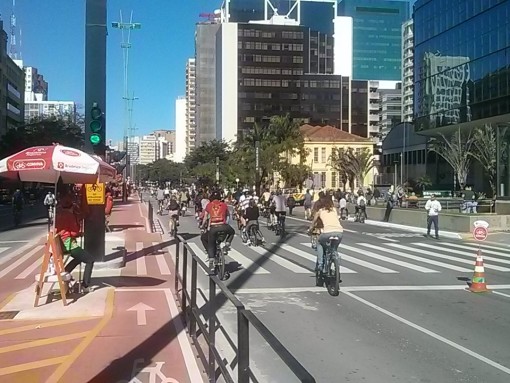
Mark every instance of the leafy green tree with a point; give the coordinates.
(162, 170)
(339, 161)
(295, 174)
(206, 153)
(457, 150)
(62, 129)
(361, 162)
(423, 182)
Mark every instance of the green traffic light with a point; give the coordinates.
(95, 139)
(95, 126)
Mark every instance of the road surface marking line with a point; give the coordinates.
(92, 334)
(281, 261)
(20, 261)
(200, 253)
(246, 262)
(366, 264)
(2, 249)
(7, 299)
(43, 342)
(59, 322)
(161, 261)
(17, 252)
(30, 269)
(431, 334)
(141, 267)
(419, 288)
(310, 257)
(498, 293)
(474, 249)
(466, 254)
(443, 256)
(390, 260)
(420, 259)
(189, 357)
(31, 365)
(280, 290)
(501, 247)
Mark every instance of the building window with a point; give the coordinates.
(323, 155)
(315, 154)
(323, 180)
(297, 59)
(333, 179)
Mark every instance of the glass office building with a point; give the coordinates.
(377, 37)
(462, 63)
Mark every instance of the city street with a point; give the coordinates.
(403, 314)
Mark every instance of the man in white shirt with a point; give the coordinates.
(433, 208)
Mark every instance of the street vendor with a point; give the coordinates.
(67, 224)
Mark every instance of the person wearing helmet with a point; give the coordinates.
(215, 221)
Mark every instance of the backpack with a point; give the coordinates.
(215, 211)
(173, 205)
(362, 202)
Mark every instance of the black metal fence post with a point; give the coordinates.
(150, 214)
(243, 347)
(193, 298)
(176, 274)
(184, 278)
(212, 331)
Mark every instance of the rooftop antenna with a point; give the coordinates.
(12, 49)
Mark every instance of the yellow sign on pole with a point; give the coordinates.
(95, 193)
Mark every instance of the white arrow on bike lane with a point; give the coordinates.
(141, 313)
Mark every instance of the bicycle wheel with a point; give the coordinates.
(282, 229)
(333, 276)
(220, 264)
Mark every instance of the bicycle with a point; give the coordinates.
(160, 208)
(253, 235)
(280, 225)
(314, 238)
(360, 215)
(173, 219)
(218, 265)
(330, 273)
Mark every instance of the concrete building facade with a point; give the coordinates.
(190, 105)
(407, 71)
(180, 129)
(149, 150)
(44, 109)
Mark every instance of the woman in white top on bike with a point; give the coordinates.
(332, 227)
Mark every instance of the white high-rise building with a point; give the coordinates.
(390, 109)
(180, 129)
(43, 109)
(407, 71)
(149, 149)
(190, 105)
(133, 150)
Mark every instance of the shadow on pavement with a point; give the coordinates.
(123, 227)
(33, 223)
(128, 281)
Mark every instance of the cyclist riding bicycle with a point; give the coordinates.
(160, 196)
(361, 204)
(251, 217)
(215, 221)
(173, 212)
(331, 227)
(279, 203)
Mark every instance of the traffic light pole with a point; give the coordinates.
(95, 93)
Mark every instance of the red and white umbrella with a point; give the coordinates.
(49, 163)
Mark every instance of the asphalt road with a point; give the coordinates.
(403, 314)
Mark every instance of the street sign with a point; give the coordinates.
(95, 194)
(480, 233)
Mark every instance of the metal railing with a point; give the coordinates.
(192, 316)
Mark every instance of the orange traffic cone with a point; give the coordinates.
(478, 284)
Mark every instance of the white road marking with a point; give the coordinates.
(430, 333)
(419, 259)
(21, 260)
(2, 249)
(161, 261)
(408, 265)
(281, 261)
(443, 256)
(500, 247)
(465, 254)
(30, 269)
(246, 262)
(483, 249)
(141, 267)
(281, 290)
(200, 253)
(310, 257)
(498, 293)
(16, 252)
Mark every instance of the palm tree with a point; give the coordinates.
(360, 164)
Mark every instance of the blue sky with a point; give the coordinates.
(53, 38)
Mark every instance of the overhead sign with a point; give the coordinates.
(95, 193)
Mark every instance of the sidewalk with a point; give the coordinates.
(129, 328)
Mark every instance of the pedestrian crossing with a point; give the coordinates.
(384, 258)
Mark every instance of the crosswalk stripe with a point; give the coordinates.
(141, 267)
(281, 261)
(363, 263)
(161, 261)
(21, 260)
(310, 257)
(245, 262)
(484, 250)
(443, 256)
(419, 259)
(464, 253)
(484, 246)
(2, 249)
(408, 265)
(30, 269)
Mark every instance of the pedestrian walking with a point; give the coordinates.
(389, 208)
(433, 208)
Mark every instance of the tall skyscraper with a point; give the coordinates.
(377, 42)
(180, 129)
(190, 105)
(407, 71)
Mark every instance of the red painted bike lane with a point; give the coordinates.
(140, 338)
